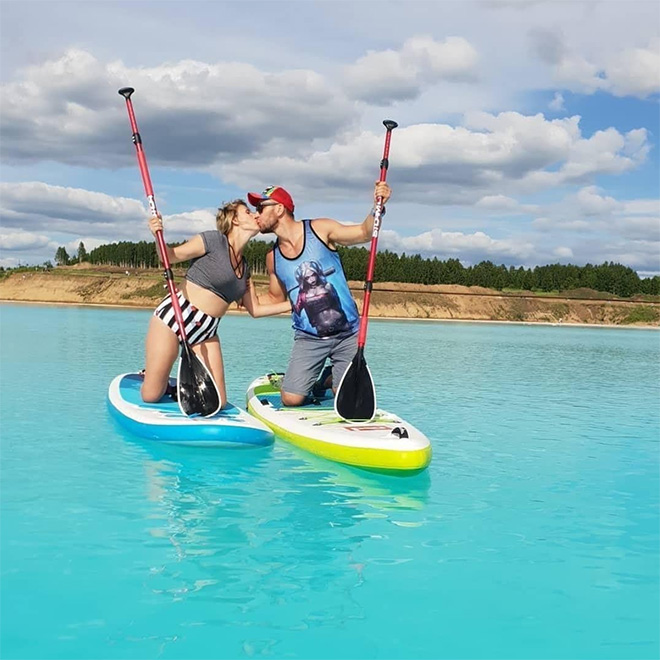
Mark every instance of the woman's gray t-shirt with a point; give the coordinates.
(213, 270)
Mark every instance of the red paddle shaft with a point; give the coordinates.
(148, 189)
(368, 284)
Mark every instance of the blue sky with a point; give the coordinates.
(528, 130)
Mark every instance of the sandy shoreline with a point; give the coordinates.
(235, 312)
(394, 301)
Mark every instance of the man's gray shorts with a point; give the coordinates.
(308, 357)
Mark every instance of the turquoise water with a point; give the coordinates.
(533, 534)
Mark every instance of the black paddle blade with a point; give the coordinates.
(197, 391)
(356, 394)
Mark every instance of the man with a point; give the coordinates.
(304, 266)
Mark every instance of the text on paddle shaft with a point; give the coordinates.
(377, 216)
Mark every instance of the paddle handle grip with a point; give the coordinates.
(126, 92)
(378, 212)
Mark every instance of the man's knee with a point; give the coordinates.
(289, 399)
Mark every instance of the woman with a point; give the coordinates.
(218, 276)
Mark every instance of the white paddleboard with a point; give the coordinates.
(164, 421)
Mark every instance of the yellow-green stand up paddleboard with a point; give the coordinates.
(387, 443)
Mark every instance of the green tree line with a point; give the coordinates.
(144, 255)
(62, 257)
(608, 277)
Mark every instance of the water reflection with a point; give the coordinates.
(251, 530)
(375, 492)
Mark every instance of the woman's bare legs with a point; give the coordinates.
(162, 349)
(210, 352)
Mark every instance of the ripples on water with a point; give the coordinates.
(534, 533)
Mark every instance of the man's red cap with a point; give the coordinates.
(276, 193)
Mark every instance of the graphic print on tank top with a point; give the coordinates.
(322, 304)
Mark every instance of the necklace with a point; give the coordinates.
(236, 265)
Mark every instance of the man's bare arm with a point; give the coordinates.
(336, 233)
(276, 292)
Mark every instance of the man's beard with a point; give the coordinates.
(266, 230)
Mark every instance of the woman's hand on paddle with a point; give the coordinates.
(155, 224)
(381, 189)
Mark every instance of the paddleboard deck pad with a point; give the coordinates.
(386, 443)
(164, 421)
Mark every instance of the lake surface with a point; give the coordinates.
(533, 534)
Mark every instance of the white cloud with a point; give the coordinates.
(181, 226)
(476, 246)
(248, 126)
(590, 202)
(641, 206)
(89, 242)
(635, 71)
(563, 252)
(189, 113)
(577, 74)
(634, 219)
(632, 71)
(23, 240)
(633, 230)
(605, 152)
(491, 156)
(645, 228)
(505, 205)
(593, 213)
(252, 114)
(498, 203)
(381, 77)
(563, 224)
(557, 104)
(38, 206)
(641, 255)
(75, 215)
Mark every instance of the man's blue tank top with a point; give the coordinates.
(316, 285)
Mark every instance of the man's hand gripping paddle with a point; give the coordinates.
(197, 391)
(356, 394)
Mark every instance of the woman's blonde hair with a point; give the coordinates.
(226, 214)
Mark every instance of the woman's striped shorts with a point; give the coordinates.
(199, 326)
